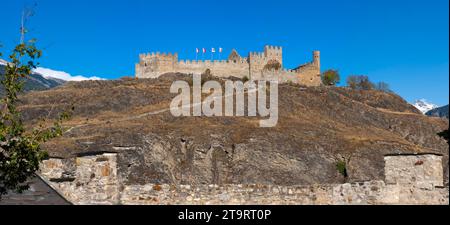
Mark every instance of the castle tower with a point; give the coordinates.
(316, 59)
(273, 53)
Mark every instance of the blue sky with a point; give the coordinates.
(404, 43)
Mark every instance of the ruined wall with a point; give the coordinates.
(411, 179)
(84, 180)
(309, 75)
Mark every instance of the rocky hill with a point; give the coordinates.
(317, 127)
(439, 112)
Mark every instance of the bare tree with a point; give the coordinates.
(27, 13)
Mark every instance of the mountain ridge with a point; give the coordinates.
(35, 82)
(439, 112)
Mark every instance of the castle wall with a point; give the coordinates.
(218, 68)
(257, 62)
(282, 76)
(95, 181)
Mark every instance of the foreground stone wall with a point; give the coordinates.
(423, 171)
(372, 193)
(93, 179)
(411, 179)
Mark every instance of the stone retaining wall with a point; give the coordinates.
(410, 179)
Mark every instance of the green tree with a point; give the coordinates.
(20, 147)
(330, 77)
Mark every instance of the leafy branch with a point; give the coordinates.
(20, 148)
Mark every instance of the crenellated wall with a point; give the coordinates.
(253, 67)
(410, 179)
(222, 68)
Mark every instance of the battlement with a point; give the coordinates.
(257, 54)
(270, 47)
(272, 50)
(146, 56)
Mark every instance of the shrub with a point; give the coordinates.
(341, 166)
(330, 77)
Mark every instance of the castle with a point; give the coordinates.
(256, 66)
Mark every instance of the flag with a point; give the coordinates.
(204, 50)
(220, 50)
(213, 50)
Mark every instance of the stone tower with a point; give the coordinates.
(273, 53)
(316, 59)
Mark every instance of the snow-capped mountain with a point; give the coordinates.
(424, 106)
(43, 78)
(2, 62)
(56, 75)
(35, 81)
(49, 74)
